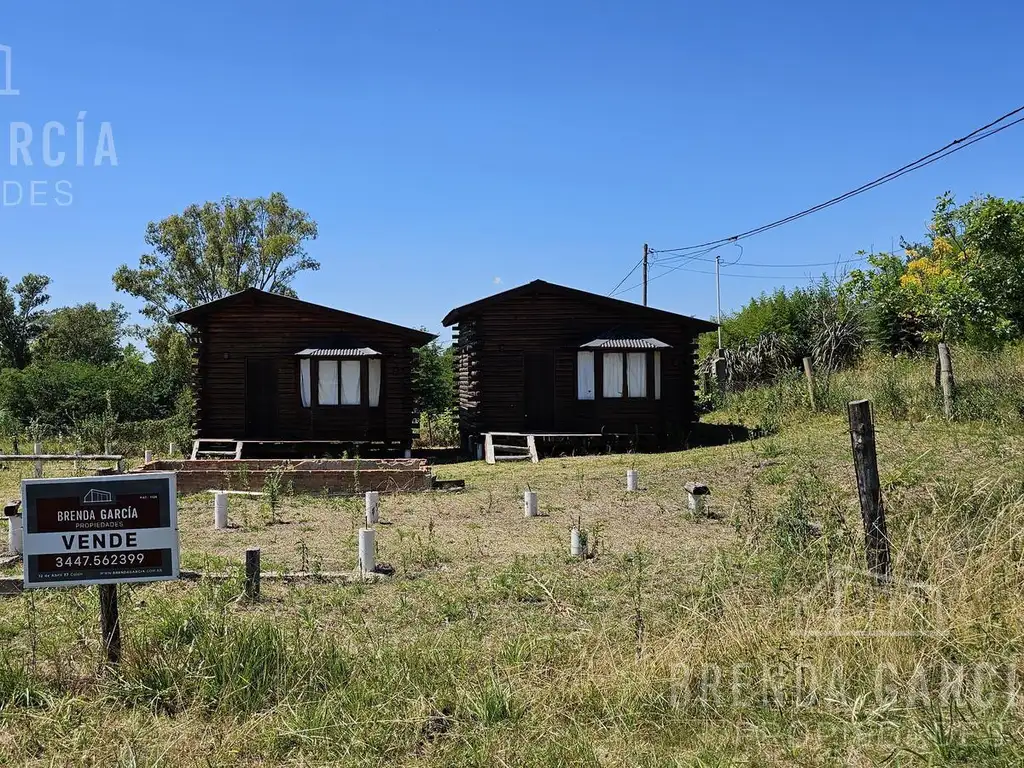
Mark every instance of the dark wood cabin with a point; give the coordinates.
(543, 358)
(274, 368)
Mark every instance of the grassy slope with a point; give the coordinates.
(489, 646)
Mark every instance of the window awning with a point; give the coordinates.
(339, 352)
(630, 342)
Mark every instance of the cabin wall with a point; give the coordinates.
(275, 333)
(492, 375)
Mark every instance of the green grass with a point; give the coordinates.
(747, 638)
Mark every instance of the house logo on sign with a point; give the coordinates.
(95, 496)
(7, 72)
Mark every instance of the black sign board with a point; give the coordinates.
(100, 530)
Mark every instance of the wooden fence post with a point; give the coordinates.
(110, 623)
(809, 373)
(252, 573)
(872, 509)
(946, 379)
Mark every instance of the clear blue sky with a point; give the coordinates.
(444, 147)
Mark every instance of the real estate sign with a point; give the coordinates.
(100, 530)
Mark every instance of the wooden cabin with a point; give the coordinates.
(546, 359)
(272, 368)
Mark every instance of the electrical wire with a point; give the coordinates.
(672, 269)
(952, 147)
(771, 265)
(613, 290)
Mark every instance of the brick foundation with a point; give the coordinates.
(334, 476)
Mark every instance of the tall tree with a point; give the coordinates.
(21, 317)
(433, 378)
(83, 333)
(209, 251)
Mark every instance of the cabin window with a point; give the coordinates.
(350, 382)
(613, 374)
(374, 368)
(636, 374)
(585, 375)
(624, 374)
(327, 382)
(304, 385)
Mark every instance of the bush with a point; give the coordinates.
(438, 430)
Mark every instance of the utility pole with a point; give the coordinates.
(646, 251)
(718, 289)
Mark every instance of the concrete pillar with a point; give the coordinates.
(367, 555)
(37, 466)
(171, 449)
(632, 480)
(479, 451)
(530, 504)
(372, 507)
(220, 510)
(408, 453)
(14, 532)
(720, 371)
(147, 457)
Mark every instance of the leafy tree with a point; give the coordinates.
(984, 240)
(21, 317)
(172, 362)
(83, 333)
(209, 251)
(892, 326)
(62, 395)
(434, 378)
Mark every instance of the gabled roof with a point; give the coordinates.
(615, 305)
(194, 314)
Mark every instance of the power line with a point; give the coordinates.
(772, 265)
(683, 268)
(613, 290)
(672, 269)
(954, 146)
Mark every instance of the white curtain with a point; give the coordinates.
(612, 374)
(327, 382)
(374, 381)
(636, 374)
(585, 375)
(350, 382)
(304, 381)
(657, 375)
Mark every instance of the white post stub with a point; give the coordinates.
(530, 504)
(37, 449)
(575, 543)
(372, 507)
(14, 531)
(632, 480)
(220, 510)
(408, 453)
(171, 449)
(147, 457)
(696, 498)
(367, 562)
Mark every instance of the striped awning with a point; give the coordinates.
(626, 343)
(339, 352)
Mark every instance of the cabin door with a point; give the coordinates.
(260, 398)
(539, 385)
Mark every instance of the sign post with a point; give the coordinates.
(106, 530)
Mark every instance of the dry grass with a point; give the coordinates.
(740, 639)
